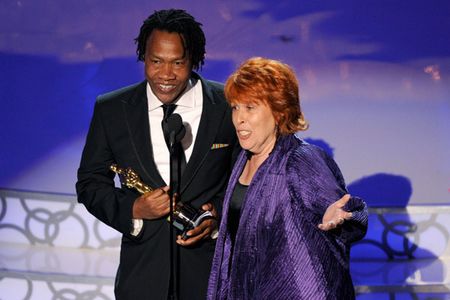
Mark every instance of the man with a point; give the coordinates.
(126, 130)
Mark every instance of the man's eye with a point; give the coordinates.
(179, 63)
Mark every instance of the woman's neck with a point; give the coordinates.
(254, 161)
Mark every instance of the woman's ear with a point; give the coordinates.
(277, 118)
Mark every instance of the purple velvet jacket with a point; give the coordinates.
(279, 252)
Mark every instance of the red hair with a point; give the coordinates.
(272, 83)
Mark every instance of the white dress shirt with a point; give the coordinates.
(189, 107)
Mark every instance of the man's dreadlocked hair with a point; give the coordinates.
(179, 21)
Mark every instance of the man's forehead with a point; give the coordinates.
(166, 47)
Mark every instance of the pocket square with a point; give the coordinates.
(218, 146)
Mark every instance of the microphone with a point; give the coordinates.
(174, 128)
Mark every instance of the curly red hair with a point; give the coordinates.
(273, 83)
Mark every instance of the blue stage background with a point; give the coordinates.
(374, 79)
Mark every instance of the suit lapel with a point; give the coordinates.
(211, 119)
(136, 117)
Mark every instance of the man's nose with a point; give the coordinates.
(166, 72)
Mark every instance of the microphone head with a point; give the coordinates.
(174, 124)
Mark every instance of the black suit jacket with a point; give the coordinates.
(119, 133)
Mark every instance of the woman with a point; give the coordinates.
(269, 244)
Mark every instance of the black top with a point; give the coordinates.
(234, 212)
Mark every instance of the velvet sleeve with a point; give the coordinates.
(315, 179)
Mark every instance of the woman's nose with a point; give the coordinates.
(239, 116)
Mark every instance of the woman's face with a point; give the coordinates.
(255, 126)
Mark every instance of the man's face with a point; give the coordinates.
(167, 66)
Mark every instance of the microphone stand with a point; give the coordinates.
(174, 170)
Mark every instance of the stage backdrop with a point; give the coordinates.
(374, 79)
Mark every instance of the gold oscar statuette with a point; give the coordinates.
(131, 179)
(186, 216)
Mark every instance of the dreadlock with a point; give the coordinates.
(179, 21)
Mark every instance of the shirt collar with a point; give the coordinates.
(186, 99)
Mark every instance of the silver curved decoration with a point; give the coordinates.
(49, 238)
(405, 250)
